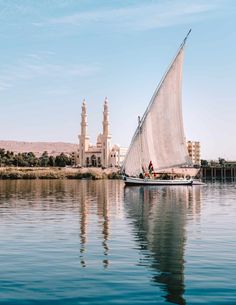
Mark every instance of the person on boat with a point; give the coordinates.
(150, 167)
(141, 176)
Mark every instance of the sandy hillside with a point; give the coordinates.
(53, 148)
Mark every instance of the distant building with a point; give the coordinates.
(194, 152)
(230, 164)
(103, 154)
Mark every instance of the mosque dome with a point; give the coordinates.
(99, 139)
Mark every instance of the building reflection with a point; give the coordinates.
(104, 218)
(92, 201)
(159, 218)
(83, 224)
(101, 199)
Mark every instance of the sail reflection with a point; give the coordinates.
(159, 217)
(92, 214)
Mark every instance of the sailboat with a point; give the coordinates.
(159, 139)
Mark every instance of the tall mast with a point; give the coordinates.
(186, 37)
(140, 142)
(137, 133)
(164, 77)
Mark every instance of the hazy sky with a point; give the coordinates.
(55, 53)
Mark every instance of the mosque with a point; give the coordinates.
(103, 154)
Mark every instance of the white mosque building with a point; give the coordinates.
(103, 154)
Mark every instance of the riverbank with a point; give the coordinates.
(57, 173)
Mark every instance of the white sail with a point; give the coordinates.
(160, 135)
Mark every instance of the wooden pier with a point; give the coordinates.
(219, 173)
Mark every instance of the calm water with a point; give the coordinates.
(96, 242)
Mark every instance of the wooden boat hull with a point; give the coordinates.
(131, 181)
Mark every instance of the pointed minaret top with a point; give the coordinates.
(84, 106)
(106, 104)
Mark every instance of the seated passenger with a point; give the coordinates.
(141, 176)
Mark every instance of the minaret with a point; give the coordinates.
(105, 118)
(83, 138)
(106, 143)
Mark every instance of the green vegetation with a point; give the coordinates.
(27, 166)
(204, 163)
(54, 173)
(28, 159)
(114, 175)
(221, 163)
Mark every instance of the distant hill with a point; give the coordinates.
(53, 148)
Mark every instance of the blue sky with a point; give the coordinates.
(55, 53)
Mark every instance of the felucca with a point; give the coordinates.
(158, 145)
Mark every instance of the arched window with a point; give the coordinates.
(94, 161)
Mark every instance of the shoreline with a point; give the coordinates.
(11, 173)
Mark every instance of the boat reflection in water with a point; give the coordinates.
(159, 218)
(98, 236)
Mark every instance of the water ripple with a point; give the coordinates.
(96, 242)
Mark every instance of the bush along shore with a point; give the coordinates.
(27, 166)
(57, 173)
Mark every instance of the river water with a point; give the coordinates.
(96, 242)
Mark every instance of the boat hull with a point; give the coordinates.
(131, 181)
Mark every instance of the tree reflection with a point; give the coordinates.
(156, 215)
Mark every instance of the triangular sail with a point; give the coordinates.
(160, 135)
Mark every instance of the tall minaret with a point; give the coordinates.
(83, 137)
(106, 143)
